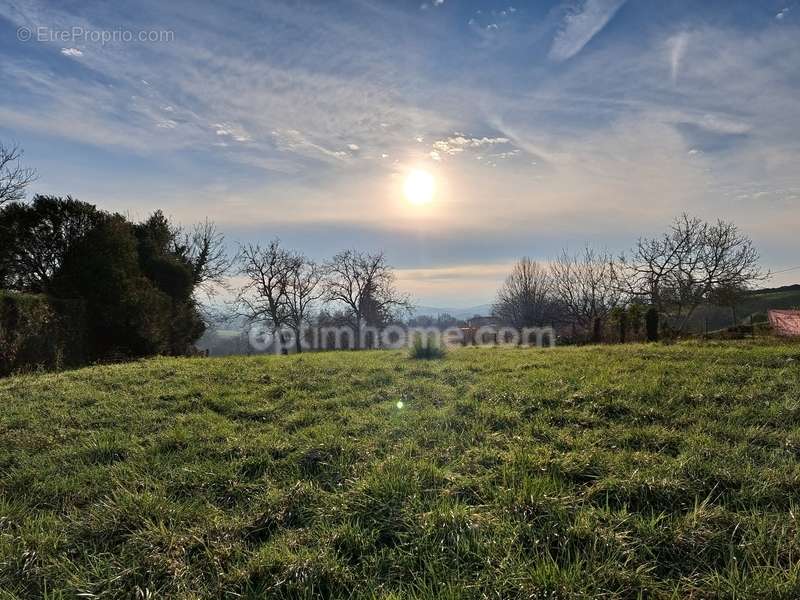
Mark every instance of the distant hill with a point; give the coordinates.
(458, 313)
(756, 302)
(225, 337)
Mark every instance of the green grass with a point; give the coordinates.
(426, 348)
(613, 472)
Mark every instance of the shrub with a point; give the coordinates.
(426, 347)
(134, 284)
(38, 332)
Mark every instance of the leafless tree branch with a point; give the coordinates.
(587, 286)
(364, 284)
(525, 298)
(14, 178)
(692, 263)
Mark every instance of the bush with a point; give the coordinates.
(38, 332)
(131, 313)
(133, 282)
(426, 347)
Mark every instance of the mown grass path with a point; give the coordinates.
(635, 471)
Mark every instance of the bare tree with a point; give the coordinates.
(302, 290)
(587, 286)
(364, 284)
(525, 297)
(690, 264)
(204, 249)
(266, 270)
(14, 178)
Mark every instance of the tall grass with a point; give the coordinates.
(426, 347)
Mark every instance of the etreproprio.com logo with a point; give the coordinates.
(78, 35)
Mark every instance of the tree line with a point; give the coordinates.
(659, 283)
(140, 283)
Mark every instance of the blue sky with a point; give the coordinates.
(544, 124)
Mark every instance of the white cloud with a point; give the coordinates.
(677, 45)
(228, 130)
(581, 26)
(724, 125)
(716, 123)
(294, 141)
(74, 52)
(224, 85)
(353, 147)
(458, 142)
(605, 130)
(504, 155)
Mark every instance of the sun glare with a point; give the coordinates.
(419, 187)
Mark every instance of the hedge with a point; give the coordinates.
(38, 332)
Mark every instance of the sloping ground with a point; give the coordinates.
(647, 471)
(757, 302)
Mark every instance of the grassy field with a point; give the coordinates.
(638, 471)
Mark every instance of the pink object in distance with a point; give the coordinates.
(785, 322)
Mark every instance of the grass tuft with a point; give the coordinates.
(426, 348)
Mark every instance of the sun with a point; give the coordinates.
(419, 187)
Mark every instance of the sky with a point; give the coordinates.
(545, 125)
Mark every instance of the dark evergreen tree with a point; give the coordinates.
(651, 324)
(136, 281)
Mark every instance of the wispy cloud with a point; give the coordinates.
(464, 284)
(434, 4)
(580, 26)
(337, 106)
(294, 140)
(458, 142)
(232, 131)
(677, 45)
(220, 99)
